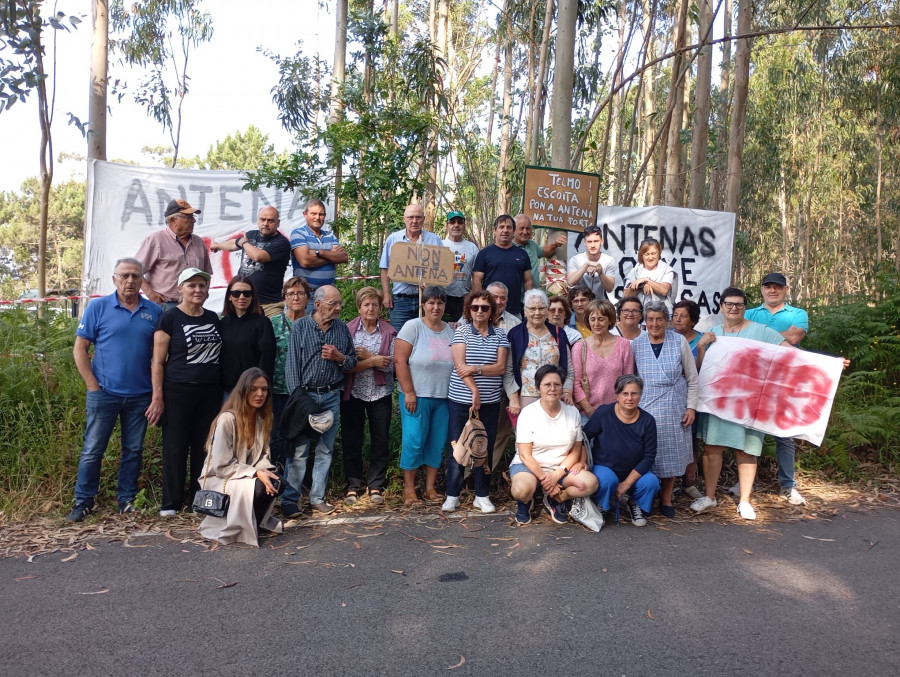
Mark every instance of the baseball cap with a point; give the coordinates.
(775, 278)
(456, 215)
(188, 273)
(180, 206)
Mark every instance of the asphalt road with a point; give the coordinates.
(417, 598)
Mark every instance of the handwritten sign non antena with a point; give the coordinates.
(560, 198)
(418, 263)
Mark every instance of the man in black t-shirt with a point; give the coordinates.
(503, 262)
(265, 254)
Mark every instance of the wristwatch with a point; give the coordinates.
(318, 254)
(478, 371)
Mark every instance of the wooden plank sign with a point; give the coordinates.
(418, 263)
(560, 198)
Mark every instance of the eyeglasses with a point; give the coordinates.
(631, 312)
(246, 293)
(539, 309)
(332, 304)
(731, 305)
(480, 309)
(295, 294)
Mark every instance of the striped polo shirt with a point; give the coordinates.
(479, 350)
(305, 237)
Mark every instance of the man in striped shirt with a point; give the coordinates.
(316, 250)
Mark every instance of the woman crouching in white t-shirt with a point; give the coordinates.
(549, 450)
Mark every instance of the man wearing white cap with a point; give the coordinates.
(165, 253)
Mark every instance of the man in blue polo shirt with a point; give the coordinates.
(792, 323)
(120, 327)
(503, 262)
(316, 251)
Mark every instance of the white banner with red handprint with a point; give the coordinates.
(774, 389)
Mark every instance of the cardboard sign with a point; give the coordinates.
(418, 263)
(560, 198)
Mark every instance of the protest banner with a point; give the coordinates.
(560, 198)
(421, 264)
(125, 203)
(777, 390)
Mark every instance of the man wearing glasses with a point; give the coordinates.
(592, 268)
(165, 253)
(321, 351)
(404, 300)
(120, 327)
(265, 254)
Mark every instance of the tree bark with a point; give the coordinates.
(700, 135)
(612, 130)
(531, 75)
(538, 111)
(717, 175)
(739, 108)
(337, 106)
(674, 179)
(648, 105)
(99, 67)
(879, 145)
(561, 144)
(505, 123)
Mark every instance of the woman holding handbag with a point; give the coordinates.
(549, 450)
(238, 465)
(479, 352)
(599, 360)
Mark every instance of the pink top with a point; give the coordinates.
(602, 373)
(163, 258)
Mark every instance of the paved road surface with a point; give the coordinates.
(808, 598)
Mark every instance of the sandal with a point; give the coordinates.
(351, 497)
(434, 497)
(375, 496)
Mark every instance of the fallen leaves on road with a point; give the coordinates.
(749, 552)
(226, 585)
(813, 538)
(96, 592)
(397, 571)
(650, 616)
(69, 558)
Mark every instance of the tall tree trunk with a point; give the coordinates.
(700, 134)
(531, 75)
(505, 123)
(537, 123)
(739, 107)
(615, 111)
(440, 40)
(717, 176)
(674, 180)
(337, 105)
(500, 20)
(806, 286)
(879, 145)
(99, 65)
(648, 105)
(561, 144)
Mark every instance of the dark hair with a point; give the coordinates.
(645, 245)
(481, 294)
(628, 299)
(590, 230)
(502, 218)
(434, 291)
(580, 291)
(604, 308)
(693, 310)
(566, 307)
(625, 379)
(547, 369)
(734, 291)
(254, 309)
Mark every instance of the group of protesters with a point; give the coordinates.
(599, 399)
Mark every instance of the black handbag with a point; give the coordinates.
(209, 502)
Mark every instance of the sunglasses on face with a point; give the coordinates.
(480, 309)
(236, 293)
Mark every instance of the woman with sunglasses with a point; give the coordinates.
(296, 294)
(479, 352)
(652, 278)
(248, 339)
(718, 433)
(630, 314)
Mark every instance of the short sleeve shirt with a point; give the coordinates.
(782, 320)
(305, 237)
(267, 276)
(480, 350)
(507, 266)
(430, 362)
(427, 237)
(592, 281)
(535, 253)
(195, 344)
(464, 254)
(551, 437)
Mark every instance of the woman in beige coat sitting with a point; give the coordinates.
(237, 463)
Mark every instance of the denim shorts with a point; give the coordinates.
(516, 468)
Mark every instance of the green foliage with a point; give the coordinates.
(19, 230)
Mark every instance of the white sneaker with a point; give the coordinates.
(167, 513)
(793, 496)
(693, 492)
(703, 503)
(451, 503)
(735, 490)
(746, 511)
(483, 503)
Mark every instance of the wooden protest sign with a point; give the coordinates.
(560, 198)
(421, 264)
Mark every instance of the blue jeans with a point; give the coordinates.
(405, 308)
(642, 492)
(295, 464)
(102, 411)
(784, 452)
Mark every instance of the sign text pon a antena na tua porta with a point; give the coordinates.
(560, 198)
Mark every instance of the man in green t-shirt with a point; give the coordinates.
(522, 238)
